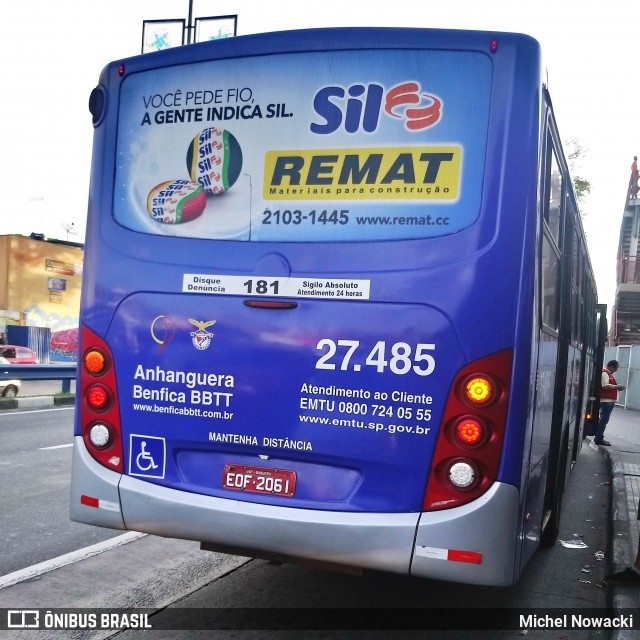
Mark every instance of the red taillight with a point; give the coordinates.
(467, 453)
(469, 432)
(98, 397)
(99, 411)
(270, 304)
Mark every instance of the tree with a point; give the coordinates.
(581, 186)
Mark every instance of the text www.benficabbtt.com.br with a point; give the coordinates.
(183, 411)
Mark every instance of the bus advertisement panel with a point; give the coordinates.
(305, 147)
(310, 319)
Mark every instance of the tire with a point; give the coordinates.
(10, 391)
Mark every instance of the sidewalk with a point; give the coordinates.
(623, 431)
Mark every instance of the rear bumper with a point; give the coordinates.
(381, 541)
(487, 526)
(372, 540)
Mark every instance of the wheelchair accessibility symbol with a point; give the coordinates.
(147, 455)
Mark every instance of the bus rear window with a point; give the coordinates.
(317, 147)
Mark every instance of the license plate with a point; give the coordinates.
(273, 482)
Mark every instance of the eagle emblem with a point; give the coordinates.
(201, 338)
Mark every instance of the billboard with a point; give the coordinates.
(158, 35)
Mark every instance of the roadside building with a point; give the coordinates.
(625, 321)
(40, 283)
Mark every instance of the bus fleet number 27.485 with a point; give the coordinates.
(399, 357)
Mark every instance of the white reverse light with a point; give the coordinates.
(99, 435)
(462, 475)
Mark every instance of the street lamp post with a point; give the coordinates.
(190, 23)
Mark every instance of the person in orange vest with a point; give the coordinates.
(608, 396)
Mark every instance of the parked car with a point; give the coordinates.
(8, 388)
(18, 355)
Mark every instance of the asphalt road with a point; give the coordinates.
(174, 578)
(35, 467)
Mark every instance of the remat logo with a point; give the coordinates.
(358, 108)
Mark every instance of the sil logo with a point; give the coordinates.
(201, 338)
(359, 106)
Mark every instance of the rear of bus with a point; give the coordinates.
(307, 288)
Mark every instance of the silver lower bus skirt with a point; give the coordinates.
(420, 544)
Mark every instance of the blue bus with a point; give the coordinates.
(337, 302)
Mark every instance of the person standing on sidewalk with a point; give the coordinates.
(608, 397)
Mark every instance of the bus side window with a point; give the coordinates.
(551, 238)
(553, 208)
(550, 284)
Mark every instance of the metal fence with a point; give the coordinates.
(64, 372)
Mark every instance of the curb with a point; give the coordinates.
(33, 402)
(621, 555)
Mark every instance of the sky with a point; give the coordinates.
(53, 52)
